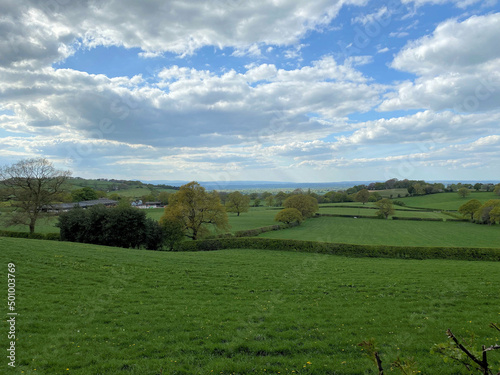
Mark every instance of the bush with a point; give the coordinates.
(289, 215)
(34, 236)
(125, 227)
(417, 218)
(351, 250)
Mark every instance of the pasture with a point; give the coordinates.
(392, 232)
(446, 201)
(97, 310)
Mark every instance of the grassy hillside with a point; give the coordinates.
(446, 201)
(89, 309)
(392, 232)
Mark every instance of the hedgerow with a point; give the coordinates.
(34, 236)
(351, 250)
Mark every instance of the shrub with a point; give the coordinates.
(305, 204)
(351, 250)
(125, 227)
(289, 215)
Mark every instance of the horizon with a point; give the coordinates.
(241, 91)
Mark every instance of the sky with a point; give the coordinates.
(229, 90)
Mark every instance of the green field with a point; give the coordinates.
(366, 211)
(446, 201)
(360, 231)
(94, 310)
(392, 232)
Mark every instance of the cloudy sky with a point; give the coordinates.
(276, 90)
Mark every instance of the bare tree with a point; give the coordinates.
(32, 184)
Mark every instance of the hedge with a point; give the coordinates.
(350, 250)
(417, 218)
(257, 231)
(34, 236)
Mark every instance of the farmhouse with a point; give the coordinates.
(62, 207)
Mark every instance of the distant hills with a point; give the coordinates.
(248, 185)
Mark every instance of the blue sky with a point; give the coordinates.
(284, 90)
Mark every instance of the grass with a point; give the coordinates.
(94, 310)
(446, 201)
(401, 212)
(392, 232)
(256, 217)
(391, 193)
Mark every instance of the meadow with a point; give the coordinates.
(392, 232)
(362, 231)
(88, 309)
(446, 201)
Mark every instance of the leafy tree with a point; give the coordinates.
(495, 214)
(305, 204)
(362, 196)
(84, 194)
(32, 184)
(478, 186)
(463, 192)
(163, 197)
(468, 209)
(125, 227)
(115, 197)
(256, 202)
(374, 197)
(237, 202)
(280, 198)
(269, 200)
(173, 232)
(496, 190)
(385, 208)
(196, 210)
(483, 213)
(289, 215)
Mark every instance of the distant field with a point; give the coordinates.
(392, 232)
(446, 201)
(95, 310)
(391, 193)
(399, 211)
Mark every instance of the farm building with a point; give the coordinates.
(61, 207)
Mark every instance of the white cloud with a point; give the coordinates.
(456, 68)
(40, 33)
(365, 19)
(188, 106)
(458, 3)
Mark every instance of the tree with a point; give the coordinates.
(237, 202)
(173, 232)
(483, 213)
(32, 184)
(496, 190)
(280, 198)
(84, 194)
(163, 197)
(269, 200)
(385, 208)
(196, 210)
(362, 196)
(468, 209)
(478, 186)
(125, 227)
(256, 202)
(289, 215)
(495, 214)
(463, 192)
(305, 204)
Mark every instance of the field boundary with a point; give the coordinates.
(33, 236)
(350, 250)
